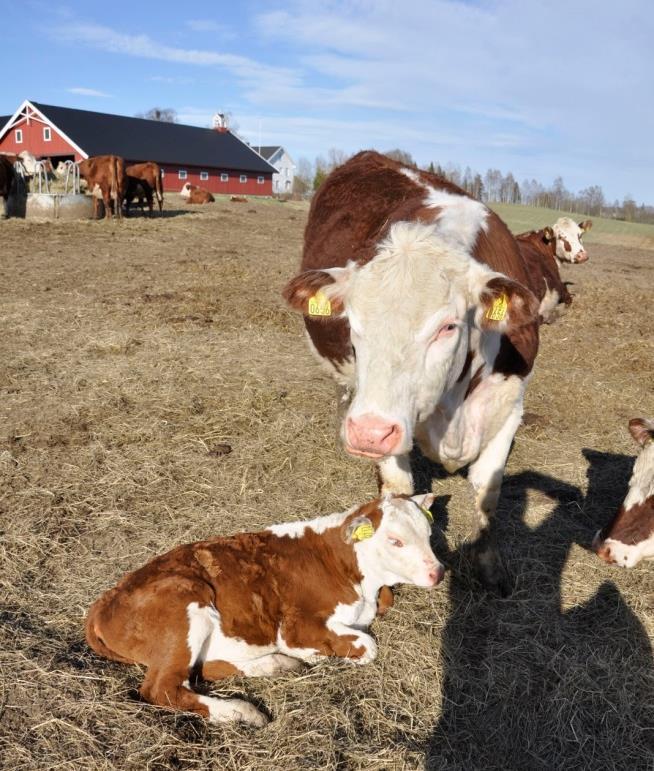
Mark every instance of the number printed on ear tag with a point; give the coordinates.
(319, 305)
(498, 309)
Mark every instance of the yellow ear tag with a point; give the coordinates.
(427, 513)
(319, 305)
(498, 309)
(363, 532)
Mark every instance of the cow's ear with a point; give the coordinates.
(358, 529)
(642, 430)
(548, 233)
(317, 293)
(586, 225)
(505, 304)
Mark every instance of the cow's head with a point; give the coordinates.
(412, 311)
(568, 234)
(185, 192)
(391, 540)
(629, 538)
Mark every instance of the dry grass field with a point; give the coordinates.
(131, 354)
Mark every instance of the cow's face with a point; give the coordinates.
(185, 192)
(629, 538)
(568, 236)
(398, 550)
(411, 311)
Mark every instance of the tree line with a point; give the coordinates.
(493, 186)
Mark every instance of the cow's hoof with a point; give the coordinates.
(491, 572)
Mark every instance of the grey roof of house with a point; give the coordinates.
(138, 139)
(267, 151)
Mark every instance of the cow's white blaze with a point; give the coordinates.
(641, 484)
(628, 555)
(568, 233)
(411, 310)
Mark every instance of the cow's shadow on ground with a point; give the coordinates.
(528, 685)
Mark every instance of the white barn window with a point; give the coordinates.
(224, 177)
(47, 134)
(243, 178)
(181, 174)
(18, 136)
(260, 180)
(204, 176)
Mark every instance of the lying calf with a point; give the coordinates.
(629, 538)
(262, 603)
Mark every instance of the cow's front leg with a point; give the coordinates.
(394, 475)
(485, 476)
(319, 640)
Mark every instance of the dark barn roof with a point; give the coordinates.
(267, 151)
(99, 133)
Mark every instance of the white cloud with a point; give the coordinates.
(209, 25)
(87, 91)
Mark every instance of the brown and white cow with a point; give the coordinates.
(262, 603)
(195, 194)
(150, 173)
(414, 296)
(105, 177)
(538, 249)
(567, 240)
(629, 538)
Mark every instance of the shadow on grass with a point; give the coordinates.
(528, 685)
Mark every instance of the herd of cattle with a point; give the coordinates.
(426, 310)
(108, 179)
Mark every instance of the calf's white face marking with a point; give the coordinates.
(568, 234)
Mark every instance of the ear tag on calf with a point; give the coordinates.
(363, 532)
(319, 305)
(427, 513)
(498, 309)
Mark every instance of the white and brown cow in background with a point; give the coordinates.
(414, 296)
(262, 603)
(629, 538)
(567, 240)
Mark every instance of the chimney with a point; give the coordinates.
(220, 123)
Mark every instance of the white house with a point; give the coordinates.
(282, 161)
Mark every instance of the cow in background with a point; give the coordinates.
(140, 191)
(7, 180)
(538, 251)
(629, 538)
(262, 603)
(106, 179)
(195, 194)
(415, 298)
(149, 173)
(563, 239)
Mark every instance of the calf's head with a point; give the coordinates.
(629, 538)
(412, 311)
(568, 236)
(391, 541)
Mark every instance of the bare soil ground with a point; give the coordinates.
(131, 354)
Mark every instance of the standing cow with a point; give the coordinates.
(7, 180)
(105, 177)
(414, 296)
(150, 174)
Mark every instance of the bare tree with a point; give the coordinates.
(402, 156)
(303, 180)
(162, 114)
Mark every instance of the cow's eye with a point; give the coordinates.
(447, 330)
(395, 541)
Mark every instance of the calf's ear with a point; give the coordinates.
(586, 225)
(505, 304)
(317, 293)
(642, 430)
(358, 529)
(548, 233)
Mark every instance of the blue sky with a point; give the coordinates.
(536, 87)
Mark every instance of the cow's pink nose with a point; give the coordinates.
(371, 436)
(582, 257)
(436, 574)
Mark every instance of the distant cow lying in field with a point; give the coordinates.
(195, 194)
(105, 177)
(148, 173)
(261, 603)
(543, 251)
(629, 538)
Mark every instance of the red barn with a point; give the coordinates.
(214, 159)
